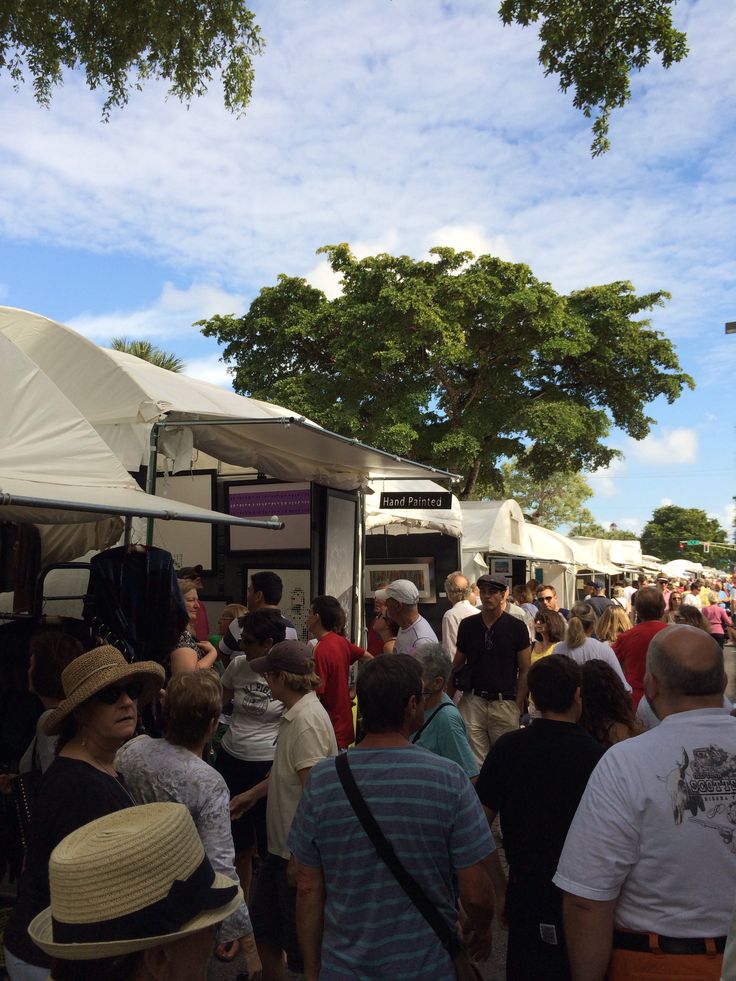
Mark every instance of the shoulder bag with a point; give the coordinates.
(464, 968)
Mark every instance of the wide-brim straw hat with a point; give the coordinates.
(131, 880)
(91, 672)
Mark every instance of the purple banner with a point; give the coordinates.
(264, 503)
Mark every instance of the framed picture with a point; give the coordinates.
(501, 567)
(292, 503)
(190, 542)
(296, 596)
(420, 571)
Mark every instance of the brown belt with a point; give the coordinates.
(656, 943)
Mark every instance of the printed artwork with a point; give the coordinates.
(703, 789)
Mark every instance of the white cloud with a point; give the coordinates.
(674, 447)
(210, 369)
(603, 480)
(171, 316)
(665, 502)
(470, 238)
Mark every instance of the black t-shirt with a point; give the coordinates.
(493, 651)
(72, 793)
(534, 778)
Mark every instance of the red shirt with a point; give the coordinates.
(631, 650)
(333, 656)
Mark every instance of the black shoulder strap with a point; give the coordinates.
(386, 853)
(439, 708)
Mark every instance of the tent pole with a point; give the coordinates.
(128, 530)
(151, 476)
(360, 635)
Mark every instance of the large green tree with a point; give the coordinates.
(593, 46)
(148, 352)
(670, 524)
(121, 43)
(550, 501)
(457, 362)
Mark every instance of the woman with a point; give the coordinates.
(550, 630)
(98, 714)
(233, 611)
(116, 911)
(607, 713)
(524, 597)
(717, 617)
(191, 654)
(172, 769)
(613, 621)
(674, 603)
(581, 646)
(246, 754)
(692, 617)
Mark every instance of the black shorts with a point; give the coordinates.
(240, 775)
(273, 911)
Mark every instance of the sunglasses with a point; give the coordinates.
(111, 694)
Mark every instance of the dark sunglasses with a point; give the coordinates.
(111, 694)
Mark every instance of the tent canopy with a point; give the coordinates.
(495, 526)
(54, 468)
(123, 396)
(397, 522)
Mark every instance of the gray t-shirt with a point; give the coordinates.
(254, 723)
(409, 638)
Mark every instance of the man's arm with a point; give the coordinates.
(310, 908)
(589, 934)
(523, 659)
(476, 901)
(495, 869)
(457, 662)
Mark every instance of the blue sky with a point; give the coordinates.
(396, 126)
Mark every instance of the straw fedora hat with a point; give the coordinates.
(131, 880)
(95, 670)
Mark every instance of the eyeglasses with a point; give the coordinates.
(111, 695)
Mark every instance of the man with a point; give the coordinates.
(402, 602)
(305, 736)
(457, 588)
(649, 864)
(547, 600)
(691, 596)
(495, 647)
(133, 895)
(375, 641)
(333, 656)
(663, 583)
(355, 921)
(598, 599)
(555, 757)
(631, 646)
(264, 593)
(443, 730)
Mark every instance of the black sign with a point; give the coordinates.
(417, 500)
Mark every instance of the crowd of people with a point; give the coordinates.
(253, 822)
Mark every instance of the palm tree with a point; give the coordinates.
(147, 352)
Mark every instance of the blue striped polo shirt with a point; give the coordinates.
(429, 811)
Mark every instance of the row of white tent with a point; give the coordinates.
(498, 528)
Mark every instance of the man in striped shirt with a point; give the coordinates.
(354, 919)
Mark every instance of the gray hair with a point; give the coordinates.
(434, 661)
(678, 678)
(452, 587)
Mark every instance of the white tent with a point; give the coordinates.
(54, 468)
(397, 522)
(122, 397)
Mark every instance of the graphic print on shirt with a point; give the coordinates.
(706, 787)
(255, 697)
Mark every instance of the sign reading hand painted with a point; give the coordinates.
(414, 500)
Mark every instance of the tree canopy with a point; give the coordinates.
(456, 362)
(593, 46)
(121, 43)
(552, 500)
(670, 524)
(148, 352)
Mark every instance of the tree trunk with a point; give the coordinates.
(470, 481)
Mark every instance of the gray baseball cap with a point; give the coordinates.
(288, 655)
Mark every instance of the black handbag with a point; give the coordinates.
(464, 968)
(25, 791)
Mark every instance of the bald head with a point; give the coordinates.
(457, 587)
(686, 662)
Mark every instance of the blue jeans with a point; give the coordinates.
(20, 971)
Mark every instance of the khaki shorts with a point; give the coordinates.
(486, 721)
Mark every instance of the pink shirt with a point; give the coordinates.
(717, 618)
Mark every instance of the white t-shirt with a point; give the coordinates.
(656, 828)
(593, 649)
(409, 638)
(690, 599)
(256, 714)
(451, 621)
